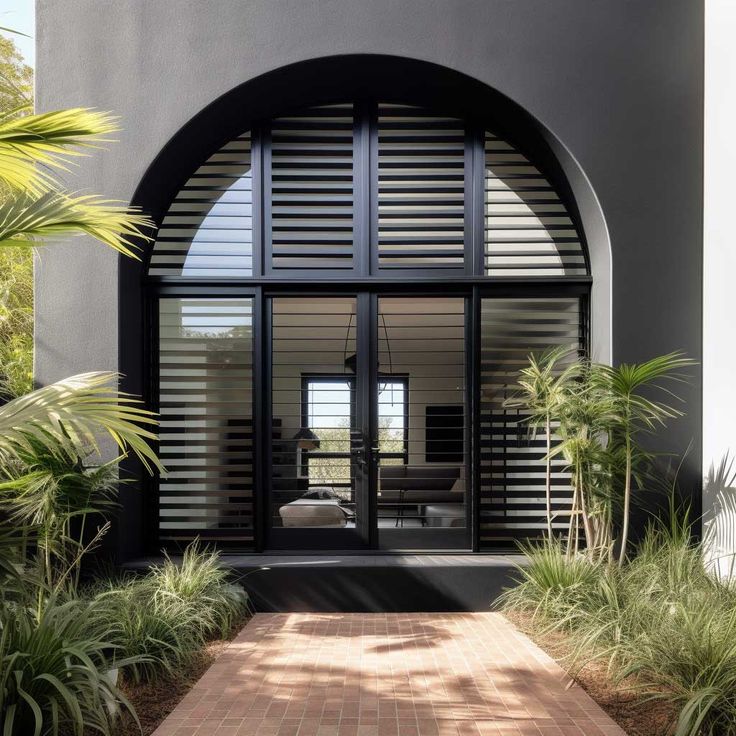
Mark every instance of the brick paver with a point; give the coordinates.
(402, 674)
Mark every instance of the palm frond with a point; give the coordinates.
(77, 410)
(25, 219)
(32, 142)
(13, 31)
(627, 377)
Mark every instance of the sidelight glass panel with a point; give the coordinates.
(205, 373)
(422, 415)
(512, 467)
(313, 344)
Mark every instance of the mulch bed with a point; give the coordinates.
(623, 704)
(154, 701)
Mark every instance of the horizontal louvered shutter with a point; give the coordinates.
(421, 189)
(208, 229)
(206, 433)
(312, 189)
(528, 230)
(512, 467)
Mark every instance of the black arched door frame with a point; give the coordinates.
(326, 80)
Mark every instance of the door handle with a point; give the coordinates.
(358, 453)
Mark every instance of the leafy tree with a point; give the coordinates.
(16, 264)
(16, 323)
(16, 77)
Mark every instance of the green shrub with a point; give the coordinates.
(660, 619)
(548, 584)
(688, 657)
(160, 634)
(202, 583)
(165, 618)
(55, 672)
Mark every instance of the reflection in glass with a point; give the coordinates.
(205, 372)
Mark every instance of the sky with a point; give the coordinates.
(20, 15)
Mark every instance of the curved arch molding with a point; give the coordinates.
(321, 81)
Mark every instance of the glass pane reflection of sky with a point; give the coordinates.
(329, 404)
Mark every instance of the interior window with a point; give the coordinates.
(328, 408)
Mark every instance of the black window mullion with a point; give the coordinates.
(362, 190)
(266, 196)
(258, 225)
(475, 205)
(372, 175)
(260, 468)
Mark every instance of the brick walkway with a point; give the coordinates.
(408, 674)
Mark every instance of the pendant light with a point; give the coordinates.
(306, 438)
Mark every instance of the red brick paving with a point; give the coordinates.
(401, 674)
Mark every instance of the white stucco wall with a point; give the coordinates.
(719, 275)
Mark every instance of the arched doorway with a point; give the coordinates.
(339, 298)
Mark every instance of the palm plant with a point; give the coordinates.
(72, 413)
(45, 437)
(32, 205)
(584, 424)
(543, 387)
(54, 492)
(634, 413)
(53, 662)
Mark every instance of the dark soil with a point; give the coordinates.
(626, 706)
(154, 701)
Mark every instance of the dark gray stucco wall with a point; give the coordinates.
(618, 82)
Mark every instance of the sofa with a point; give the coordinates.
(313, 512)
(420, 485)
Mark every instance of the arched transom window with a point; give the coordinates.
(368, 189)
(359, 280)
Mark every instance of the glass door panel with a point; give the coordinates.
(368, 448)
(316, 478)
(422, 497)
